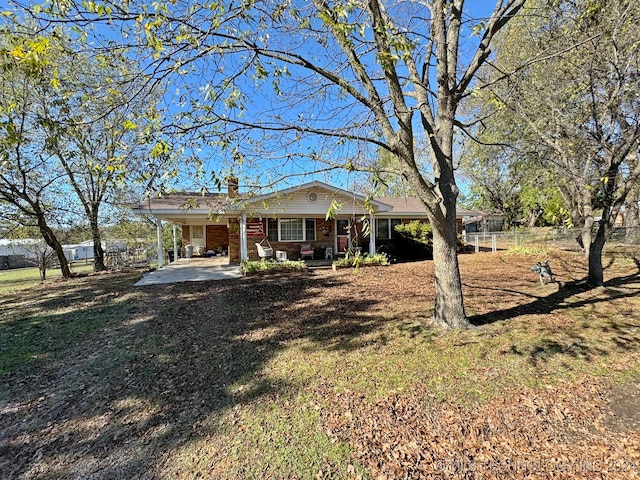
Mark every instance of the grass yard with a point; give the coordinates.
(329, 375)
(20, 278)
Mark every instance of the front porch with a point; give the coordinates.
(196, 269)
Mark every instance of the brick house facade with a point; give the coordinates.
(233, 223)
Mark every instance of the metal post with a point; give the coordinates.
(494, 243)
(175, 244)
(160, 252)
(477, 242)
(372, 236)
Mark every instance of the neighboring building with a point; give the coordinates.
(18, 253)
(287, 220)
(24, 252)
(82, 251)
(484, 222)
(22, 246)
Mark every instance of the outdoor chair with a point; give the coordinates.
(264, 250)
(306, 251)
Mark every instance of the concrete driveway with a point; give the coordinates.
(192, 270)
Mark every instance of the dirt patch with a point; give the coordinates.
(624, 407)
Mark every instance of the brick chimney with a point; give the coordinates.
(232, 187)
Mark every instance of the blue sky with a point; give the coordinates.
(258, 102)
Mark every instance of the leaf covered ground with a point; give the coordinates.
(325, 375)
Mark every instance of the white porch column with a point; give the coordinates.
(244, 252)
(160, 252)
(175, 244)
(372, 235)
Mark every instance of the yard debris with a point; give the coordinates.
(544, 271)
(560, 432)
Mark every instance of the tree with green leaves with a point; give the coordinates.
(578, 106)
(95, 116)
(320, 86)
(503, 169)
(29, 179)
(100, 133)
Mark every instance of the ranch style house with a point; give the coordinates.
(288, 224)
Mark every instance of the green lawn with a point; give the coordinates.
(329, 375)
(20, 278)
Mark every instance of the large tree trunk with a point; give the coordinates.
(609, 213)
(586, 236)
(449, 305)
(51, 240)
(98, 251)
(632, 217)
(595, 277)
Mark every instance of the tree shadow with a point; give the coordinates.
(620, 335)
(175, 367)
(169, 373)
(557, 300)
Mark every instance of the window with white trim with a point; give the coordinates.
(291, 229)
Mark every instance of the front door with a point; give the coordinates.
(198, 239)
(342, 236)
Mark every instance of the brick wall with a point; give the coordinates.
(234, 240)
(186, 238)
(325, 232)
(217, 237)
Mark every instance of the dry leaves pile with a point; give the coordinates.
(563, 432)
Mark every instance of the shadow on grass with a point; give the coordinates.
(123, 396)
(166, 372)
(558, 300)
(32, 327)
(621, 335)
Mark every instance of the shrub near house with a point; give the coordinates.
(264, 267)
(357, 261)
(410, 241)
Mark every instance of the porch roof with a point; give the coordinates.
(179, 207)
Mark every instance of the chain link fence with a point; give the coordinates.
(565, 239)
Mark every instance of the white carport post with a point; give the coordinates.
(175, 244)
(372, 235)
(160, 252)
(244, 253)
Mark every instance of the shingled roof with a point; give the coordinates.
(413, 205)
(186, 201)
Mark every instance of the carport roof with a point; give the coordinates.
(187, 202)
